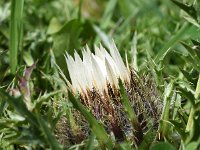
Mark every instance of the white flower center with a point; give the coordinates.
(96, 70)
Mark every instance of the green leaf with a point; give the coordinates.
(197, 91)
(194, 133)
(163, 127)
(67, 38)
(187, 94)
(126, 105)
(190, 60)
(196, 43)
(192, 52)
(180, 127)
(20, 106)
(43, 98)
(91, 142)
(167, 47)
(187, 75)
(2, 106)
(187, 8)
(54, 26)
(192, 145)
(124, 146)
(28, 58)
(156, 70)
(149, 137)
(162, 146)
(125, 7)
(89, 36)
(26, 136)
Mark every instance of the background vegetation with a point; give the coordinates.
(159, 37)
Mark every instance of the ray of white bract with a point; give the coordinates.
(96, 70)
(71, 69)
(124, 75)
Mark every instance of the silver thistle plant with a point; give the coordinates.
(100, 80)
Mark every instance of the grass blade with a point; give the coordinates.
(15, 32)
(134, 51)
(167, 47)
(131, 114)
(127, 105)
(164, 128)
(108, 13)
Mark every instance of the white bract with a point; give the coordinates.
(96, 70)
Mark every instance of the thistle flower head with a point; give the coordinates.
(95, 77)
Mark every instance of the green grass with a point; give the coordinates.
(158, 38)
(16, 32)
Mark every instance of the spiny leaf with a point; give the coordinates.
(148, 140)
(194, 134)
(20, 106)
(180, 127)
(194, 56)
(192, 51)
(44, 98)
(196, 43)
(187, 75)
(187, 8)
(188, 95)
